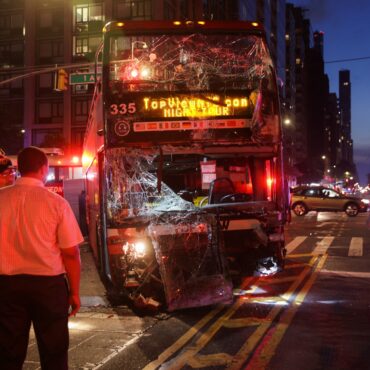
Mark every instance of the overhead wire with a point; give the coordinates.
(43, 70)
(347, 60)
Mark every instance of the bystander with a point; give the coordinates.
(7, 171)
(39, 267)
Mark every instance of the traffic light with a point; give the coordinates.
(61, 80)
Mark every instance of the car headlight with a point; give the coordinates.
(366, 201)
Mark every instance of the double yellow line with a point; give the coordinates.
(259, 342)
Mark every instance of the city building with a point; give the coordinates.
(317, 99)
(345, 139)
(298, 41)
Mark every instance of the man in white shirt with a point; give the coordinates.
(39, 266)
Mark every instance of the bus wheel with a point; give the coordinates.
(299, 209)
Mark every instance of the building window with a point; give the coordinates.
(46, 83)
(86, 44)
(96, 12)
(81, 111)
(77, 138)
(11, 113)
(4, 22)
(134, 9)
(87, 13)
(16, 21)
(82, 45)
(50, 49)
(46, 19)
(42, 137)
(11, 21)
(14, 87)
(11, 54)
(46, 80)
(50, 112)
(82, 13)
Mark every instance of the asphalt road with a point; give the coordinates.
(313, 315)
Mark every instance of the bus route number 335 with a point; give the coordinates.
(122, 108)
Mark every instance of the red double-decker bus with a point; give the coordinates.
(182, 159)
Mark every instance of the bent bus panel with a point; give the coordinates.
(183, 158)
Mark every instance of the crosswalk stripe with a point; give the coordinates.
(356, 247)
(295, 243)
(323, 245)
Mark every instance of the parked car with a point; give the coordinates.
(320, 198)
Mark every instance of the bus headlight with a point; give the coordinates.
(139, 248)
(136, 248)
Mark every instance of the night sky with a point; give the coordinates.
(346, 27)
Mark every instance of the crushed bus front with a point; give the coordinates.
(183, 158)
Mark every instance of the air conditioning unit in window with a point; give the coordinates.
(82, 88)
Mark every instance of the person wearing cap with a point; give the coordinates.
(39, 267)
(7, 171)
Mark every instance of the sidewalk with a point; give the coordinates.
(92, 290)
(98, 332)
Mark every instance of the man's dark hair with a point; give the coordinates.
(31, 159)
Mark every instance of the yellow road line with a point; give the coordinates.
(277, 280)
(192, 332)
(263, 355)
(206, 337)
(245, 351)
(217, 359)
(241, 323)
(269, 300)
(299, 255)
(190, 354)
(183, 339)
(293, 265)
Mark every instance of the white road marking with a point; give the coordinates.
(365, 275)
(356, 247)
(296, 242)
(323, 245)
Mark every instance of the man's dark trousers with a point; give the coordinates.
(42, 301)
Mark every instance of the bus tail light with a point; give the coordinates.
(75, 160)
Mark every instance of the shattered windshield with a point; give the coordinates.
(191, 62)
(134, 190)
(144, 186)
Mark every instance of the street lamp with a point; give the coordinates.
(142, 43)
(326, 166)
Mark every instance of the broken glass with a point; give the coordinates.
(185, 239)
